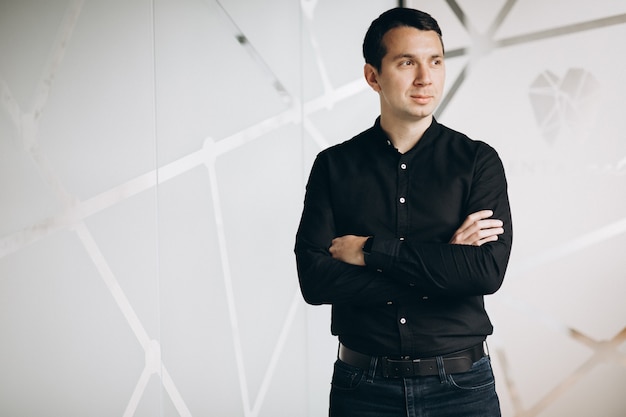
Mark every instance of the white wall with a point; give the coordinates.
(153, 156)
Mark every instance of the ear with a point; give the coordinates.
(371, 76)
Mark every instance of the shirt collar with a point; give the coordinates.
(429, 134)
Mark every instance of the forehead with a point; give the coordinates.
(405, 40)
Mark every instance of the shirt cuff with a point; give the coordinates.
(382, 253)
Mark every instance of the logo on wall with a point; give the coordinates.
(565, 106)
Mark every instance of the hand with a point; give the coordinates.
(348, 249)
(477, 229)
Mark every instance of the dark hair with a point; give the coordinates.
(373, 46)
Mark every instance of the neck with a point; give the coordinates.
(404, 135)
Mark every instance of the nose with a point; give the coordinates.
(422, 75)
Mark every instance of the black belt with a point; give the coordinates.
(454, 363)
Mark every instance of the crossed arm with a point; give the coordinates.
(477, 229)
(472, 262)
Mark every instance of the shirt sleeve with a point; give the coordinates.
(324, 280)
(447, 269)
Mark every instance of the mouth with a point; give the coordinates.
(421, 98)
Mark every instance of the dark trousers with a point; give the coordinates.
(366, 393)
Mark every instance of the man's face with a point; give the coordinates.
(412, 74)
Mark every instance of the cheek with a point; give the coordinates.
(442, 77)
(400, 84)
(440, 81)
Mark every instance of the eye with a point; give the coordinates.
(406, 63)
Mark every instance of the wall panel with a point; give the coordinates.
(153, 157)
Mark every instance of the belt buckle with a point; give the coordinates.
(399, 368)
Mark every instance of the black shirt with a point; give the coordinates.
(418, 295)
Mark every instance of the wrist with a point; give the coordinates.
(367, 246)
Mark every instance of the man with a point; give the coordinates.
(405, 227)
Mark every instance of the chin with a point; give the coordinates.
(422, 114)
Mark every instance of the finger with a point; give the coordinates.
(480, 229)
(481, 242)
(481, 214)
(483, 233)
(475, 217)
(489, 224)
(486, 235)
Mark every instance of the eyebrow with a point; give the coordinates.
(406, 55)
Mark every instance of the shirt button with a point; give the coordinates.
(402, 200)
(389, 303)
(403, 166)
(402, 320)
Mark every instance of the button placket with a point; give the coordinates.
(402, 196)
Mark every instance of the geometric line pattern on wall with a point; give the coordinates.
(481, 45)
(603, 352)
(76, 211)
(564, 102)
